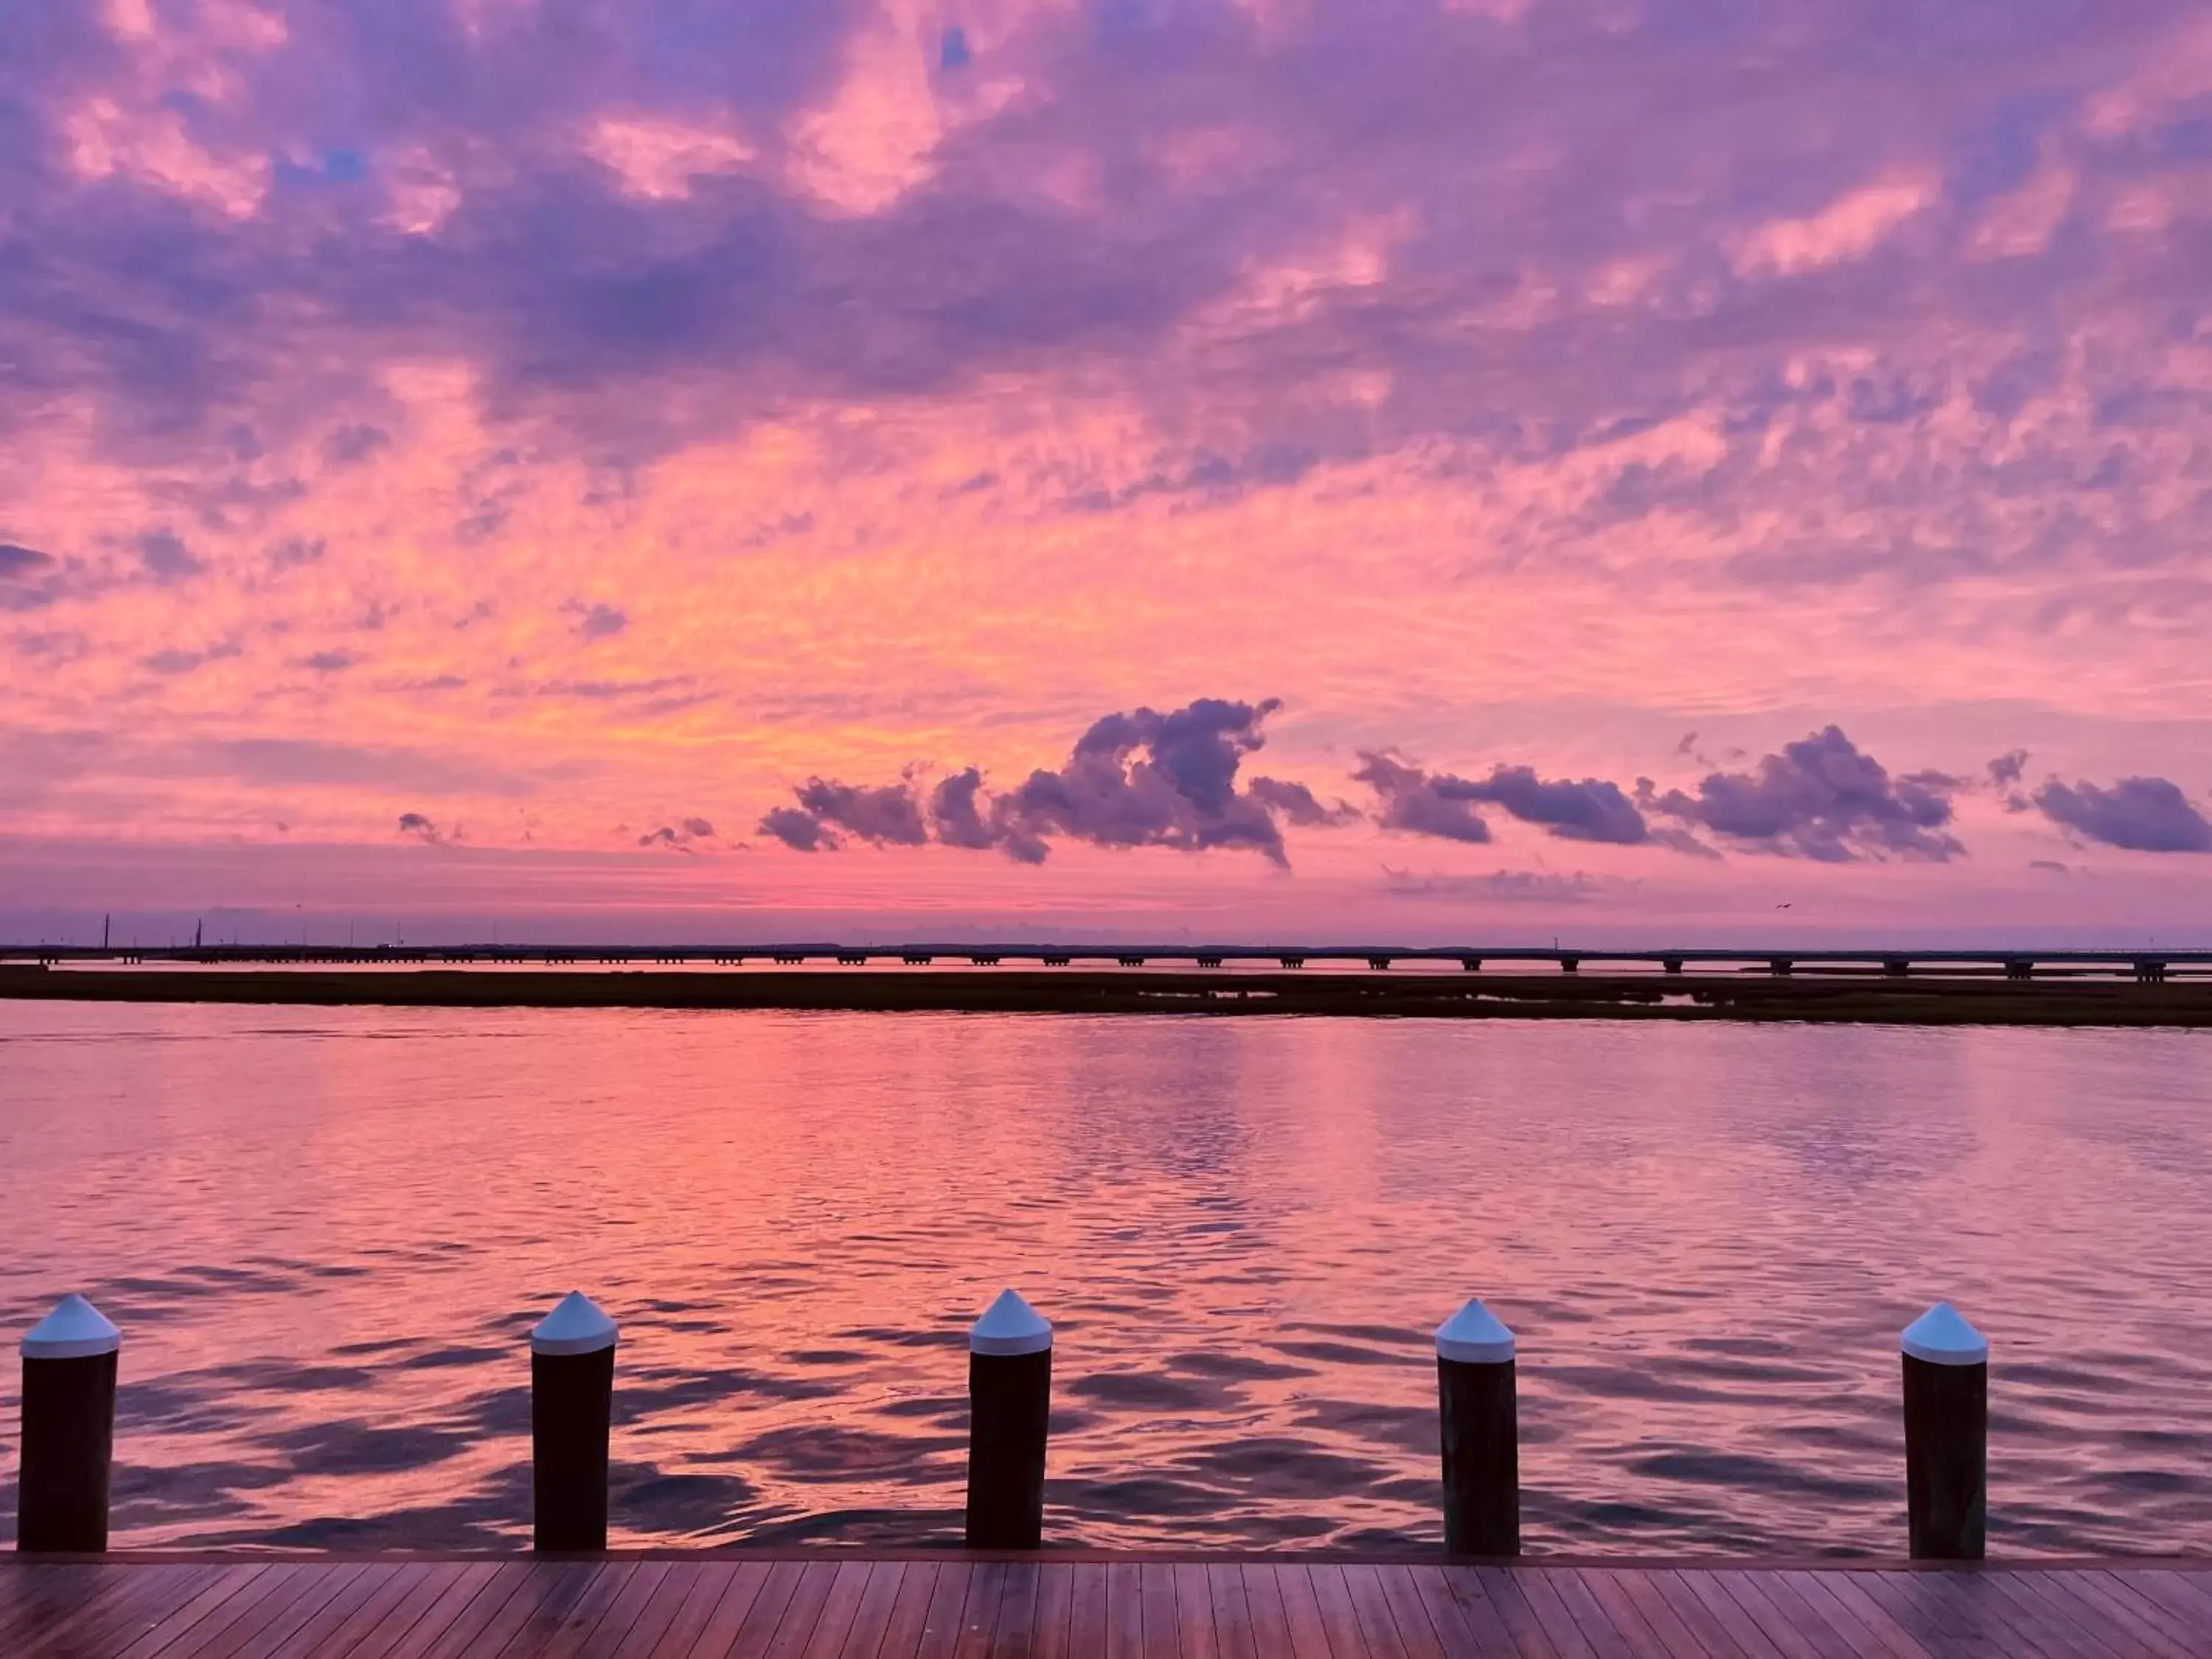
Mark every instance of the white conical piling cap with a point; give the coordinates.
(578, 1325)
(1474, 1336)
(74, 1330)
(1942, 1336)
(1010, 1326)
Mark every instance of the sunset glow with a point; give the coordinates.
(1560, 469)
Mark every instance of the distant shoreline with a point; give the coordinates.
(1930, 1000)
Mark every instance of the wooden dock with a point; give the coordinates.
(958, 1606)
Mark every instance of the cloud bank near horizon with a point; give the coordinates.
(1148, 779)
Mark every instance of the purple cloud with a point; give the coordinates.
(166, 557)
(1589, 808)
(1142, 778)
(2140, 815)
(177, 660)
(887, 814)
(570, 287)
(596, 621)
(800, 831)
(1499, 886)
(1296, 805)
(677, 837)
(955, 815)
(423, 829)
(1414, 801)
(1146, 779)
(1820, 798)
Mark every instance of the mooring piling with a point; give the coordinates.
(1009, 1403)
(1947, 1427)
(70, 1360)
(69, 1365)
(572, 1387)
(1479, 1417)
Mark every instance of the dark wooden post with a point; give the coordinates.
(70, 1358)
(1009, 1401)
(572, 1387)
(1478, 1416)
(1947, 1429)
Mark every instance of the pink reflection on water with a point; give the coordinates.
(325, 1232)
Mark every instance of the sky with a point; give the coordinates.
(1423, 469)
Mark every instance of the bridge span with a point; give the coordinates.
(2147, 964)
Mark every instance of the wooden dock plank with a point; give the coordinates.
(1834, 1594)
(910, 1612)
(1016, 1637)
(444, 1590)
(1646, 1620)
(2188, 1595)
(279, 1635)
(224, 1601)
(639, 1590)
(1270, 1616)
(1301, 1611)
(1938, 1615)
(979, 1616)
(1605, 1635)
(1340, 1620)
(1834, 1629)
(948, 1600)
(2033, 1627)
(1195, 1635)
(2122, 1587)
(1232, 1611)
(1125, 1610)
(1553, 1616)
(1087, 1622)
(520, 1614)
(1417, 1629)
(699, 1638)
(1662, 1597)
(1784, 1625)
(343, 1628)
(1467, 1625)
(687, 1585)
(757, 1629)
(31, 1601)
(809, 1596)
(1049, 1634)
(1705, 1591)
(1473, 1587)
(119, 1600)
(1156, 1592)
(228, 1626)
(1309, 1636)
(1377, 1624)
(2052, 1620)
(2093, 1609)
(863, 1633)
(849, 1606)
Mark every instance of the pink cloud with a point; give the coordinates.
(412, 409)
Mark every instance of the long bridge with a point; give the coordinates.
(2011, 961)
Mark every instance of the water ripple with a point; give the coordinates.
(327, 1238)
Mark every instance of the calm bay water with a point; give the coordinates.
(325, 1232)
